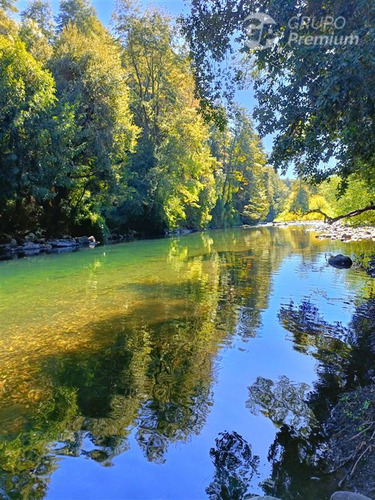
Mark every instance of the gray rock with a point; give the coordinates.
(18, 249)
(83, 240)
(13, 242)
(30, 237)
(347, 495)
(340, 261)
(4, 248)
(45, 248)
(31, 247)
(62, 243)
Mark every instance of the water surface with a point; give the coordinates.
(125, 370)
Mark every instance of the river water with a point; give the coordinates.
(176, 368)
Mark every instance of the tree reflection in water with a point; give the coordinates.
(235, 467)
(136, 353)
(326, 439)
(150, 371)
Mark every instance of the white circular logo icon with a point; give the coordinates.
(261, 32)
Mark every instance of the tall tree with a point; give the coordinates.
(8, 5)
(171, 173)
(37, 29)
(8, 27)
(90, 78)
(40, 11)
(27, 98)
(77, 12)
(241, 176)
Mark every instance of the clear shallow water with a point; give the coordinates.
(123, 366)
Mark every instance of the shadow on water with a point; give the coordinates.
(140, 360)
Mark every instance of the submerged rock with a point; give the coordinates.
(370, 270)
(83, 240)
(340, 261)
(347, 495)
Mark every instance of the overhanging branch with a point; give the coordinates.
(332, 220)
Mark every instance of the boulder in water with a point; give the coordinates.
(340, 261)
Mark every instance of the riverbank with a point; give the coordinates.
(33, 245)
(30, 244)
(336, 231)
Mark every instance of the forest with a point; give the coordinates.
(103, 131)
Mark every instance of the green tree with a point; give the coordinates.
(26, 100)
(36, 39)
(78, 12)
(277, 193)
(318, 101)
(8, 27)
(40, 11)
(171, 173)
(90, 79)
(241, 173)
(8, 5)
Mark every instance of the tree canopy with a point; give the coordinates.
(316, 98)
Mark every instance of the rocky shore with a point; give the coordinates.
(31, 245)
(337, 231)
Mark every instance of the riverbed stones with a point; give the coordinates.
(340, 231)
(340, 261)
(347, 495)
(33, 244)
(61, 243)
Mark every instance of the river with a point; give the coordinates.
(176, 368)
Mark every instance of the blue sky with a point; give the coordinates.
(105, 8)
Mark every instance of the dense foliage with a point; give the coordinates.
(101, 131)
(306, 202)
(316, 96)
